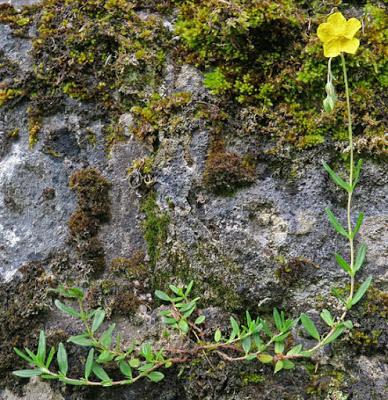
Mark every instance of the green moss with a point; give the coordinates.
(131, 268)
(248, 379)
(158, 113)
(9, 94)
(19, 20)
(155, 227)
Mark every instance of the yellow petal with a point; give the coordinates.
(349, 45)
(336, 19)
(352, 26)
(325, 32)
(332, 48)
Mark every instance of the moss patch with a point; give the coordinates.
(93, 209)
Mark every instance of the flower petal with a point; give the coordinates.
(332, 48)
(352, 26)
(336, 19)
(350, 45)
(325, 32)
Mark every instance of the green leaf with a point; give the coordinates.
(336, 225)
(279, 347)
(106, 338)
(357, 172)
(134, 362)
(235, 327)
(343, 264)
(104, 357)
(66, 309)
(146, 351)
(27, 373)
(89, 363)
(62, 359)
(188, 288)
(162, 295)
(310, 327)
(361, 253)
(125, 369)
(183, 326)
(155, 376)
(200, 320)
(23, 356)
(339, 330)
(359, 222)
(217, 335)
(287, 364)
(326, 316)
(80, 340)
(265, 358)
(361, 291)
(100, 372)
(50, 357)
(176, 290)
(336, 179)
(295, 350)
(277, 319)
(246, 344)
(279, 366)
(98, 319)
(75, 293)
(41, 354)
(348, 324)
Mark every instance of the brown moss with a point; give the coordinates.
(23, 306)
(225, 171)
(93, 209)
(131, 268)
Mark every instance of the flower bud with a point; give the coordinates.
(330, 89)
(328, 104)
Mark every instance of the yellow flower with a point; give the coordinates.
(337, 35)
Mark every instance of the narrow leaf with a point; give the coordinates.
(279, 347)
(361, 253)
(361, 291)
(337, 180)
(99, 317)
(295, 350)
(41, 354)
(277, 319)
(62, 359)
(66, 309)
(246, 344)
(106, 338)
(343, 264)
(80, 340)
(357, 172)
(188, 288)
(23, 356)
(335, 223)
(359, 222)
(89, 363)
(310, 327)
(326, 316)
(27, 373)
(200, 320)
(340, 329)
(162, 295)
(235, 326)
(100, 372)
(50, 357)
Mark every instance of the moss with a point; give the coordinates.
(6, 95)
(155, 227)
(290, 271)
(158, 113)
(225, 171)
(19, 20)
(93, 209)
(248, 379)
(34, 125)
(23, 307)
(325, 381)
(131, 268)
